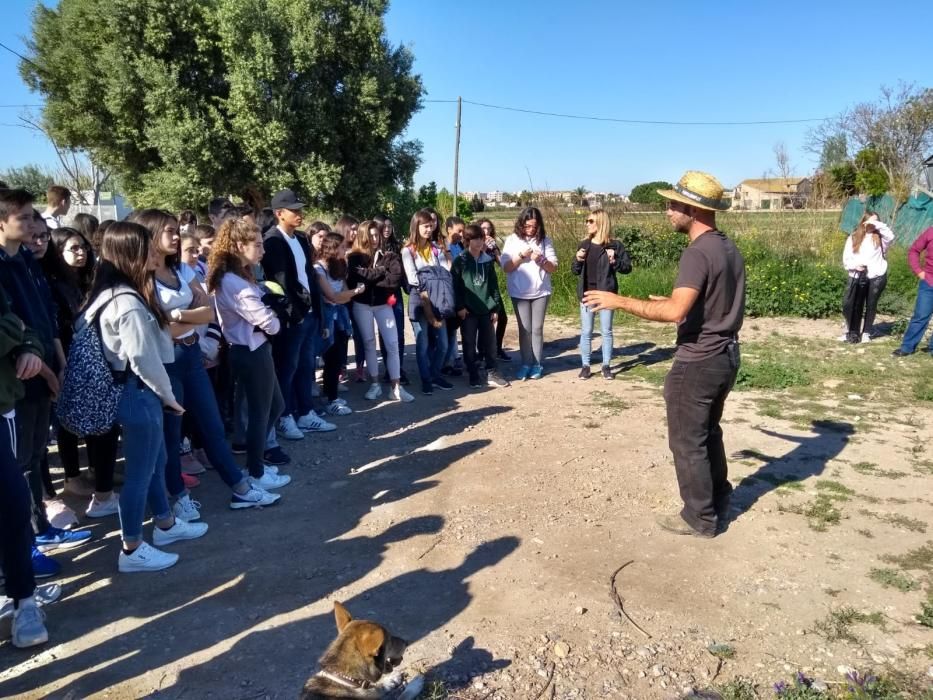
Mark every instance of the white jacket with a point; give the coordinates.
(871, 258)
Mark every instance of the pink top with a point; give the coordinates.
(923, 243)
(244, 319)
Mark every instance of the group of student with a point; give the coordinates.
(217, 330)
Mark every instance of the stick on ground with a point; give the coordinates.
(617, 599)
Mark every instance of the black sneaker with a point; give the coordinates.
(497, 380)
(475, 382)
(276, 456)
(442, 383)
(451, 372)
(238, 448)
(901, 353)
(606, 372)
(585, 373)
(504, 356)
(426, 388)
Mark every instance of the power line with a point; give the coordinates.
(17, 54)
(619, 120)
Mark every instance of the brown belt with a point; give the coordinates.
(187, 341)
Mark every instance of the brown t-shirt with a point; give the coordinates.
(712, 265)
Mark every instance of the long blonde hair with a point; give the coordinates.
(603, 227)
(363, 243)
(858, 235)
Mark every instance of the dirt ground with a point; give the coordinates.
(484, 527)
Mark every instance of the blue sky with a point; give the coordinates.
(671, 61)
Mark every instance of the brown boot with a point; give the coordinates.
(675, 523)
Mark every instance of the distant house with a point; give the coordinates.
(772, 193)
(110, 205)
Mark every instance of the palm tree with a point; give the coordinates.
(579, 195)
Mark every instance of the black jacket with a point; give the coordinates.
(381, 280)
(278, 265)
(606, 272)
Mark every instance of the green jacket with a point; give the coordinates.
(476, 287)
(15, 339)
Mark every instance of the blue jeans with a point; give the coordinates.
(294, 349)
(193, 390)
(430, 348)
(140, 416)
(586, 334)
(923, 310)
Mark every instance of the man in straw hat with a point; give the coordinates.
(708, 305)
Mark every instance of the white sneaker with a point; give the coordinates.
(339, 409)
(101, 509)
(177, 532)
(288, 429)
(253, 498)
(270, 481)
(187, 509)
(313, 423)
(843, 338)
(145, 558)
(398, 393)
(374, 391)
(866, 338)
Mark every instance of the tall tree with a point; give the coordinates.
(647, 193)
(185, 100)
(898, 127)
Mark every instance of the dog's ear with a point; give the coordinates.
(371, 640)
(342, 615)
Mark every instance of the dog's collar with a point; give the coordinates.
(343, 680)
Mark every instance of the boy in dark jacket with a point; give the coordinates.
(477, 298)
(20, 359)
(30, 299)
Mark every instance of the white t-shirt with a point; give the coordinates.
(300, 261)
(528, 280)
(171, 298)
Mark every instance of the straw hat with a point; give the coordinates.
(698, 189)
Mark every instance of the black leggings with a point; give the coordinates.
(861, 304)
(334, 358)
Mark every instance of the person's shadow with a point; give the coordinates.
(808, 458)
(646, 354)
(465, 663)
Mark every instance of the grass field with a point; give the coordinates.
(794, 259)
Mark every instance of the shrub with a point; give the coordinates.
(795, 287)
(649, 247)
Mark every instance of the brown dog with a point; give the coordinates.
(356, 664)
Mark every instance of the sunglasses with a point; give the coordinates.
(591, 221)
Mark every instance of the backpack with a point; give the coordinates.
(91, 391)
(439, 284)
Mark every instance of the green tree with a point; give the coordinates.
(842, 179)
(647, 193)
(427, 195)
(579, 195)
(32, 178)
(834, 152)
(870, 177)
(477, 205)
(445, 206)
(185, 100)
(526, 198)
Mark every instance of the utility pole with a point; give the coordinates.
(457, 155)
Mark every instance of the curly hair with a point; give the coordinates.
(225, 254)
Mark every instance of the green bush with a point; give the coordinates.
(651, 246)
(777, 287)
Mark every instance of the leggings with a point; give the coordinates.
(254, 373)
(334, 358)
(530, 315)
(363, 317)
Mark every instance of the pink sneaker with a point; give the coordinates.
(190, 481)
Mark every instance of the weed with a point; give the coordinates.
(613, 404)
(721, 651)
(897, 520)
(436, 690)
(925, 617)
(821, 512)
(738, 689)
(770, 375)
(920, 559)
(788, 482)
(837, 625)
(890, 578)
(834, 490)
(770, 408)
(871, 469)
